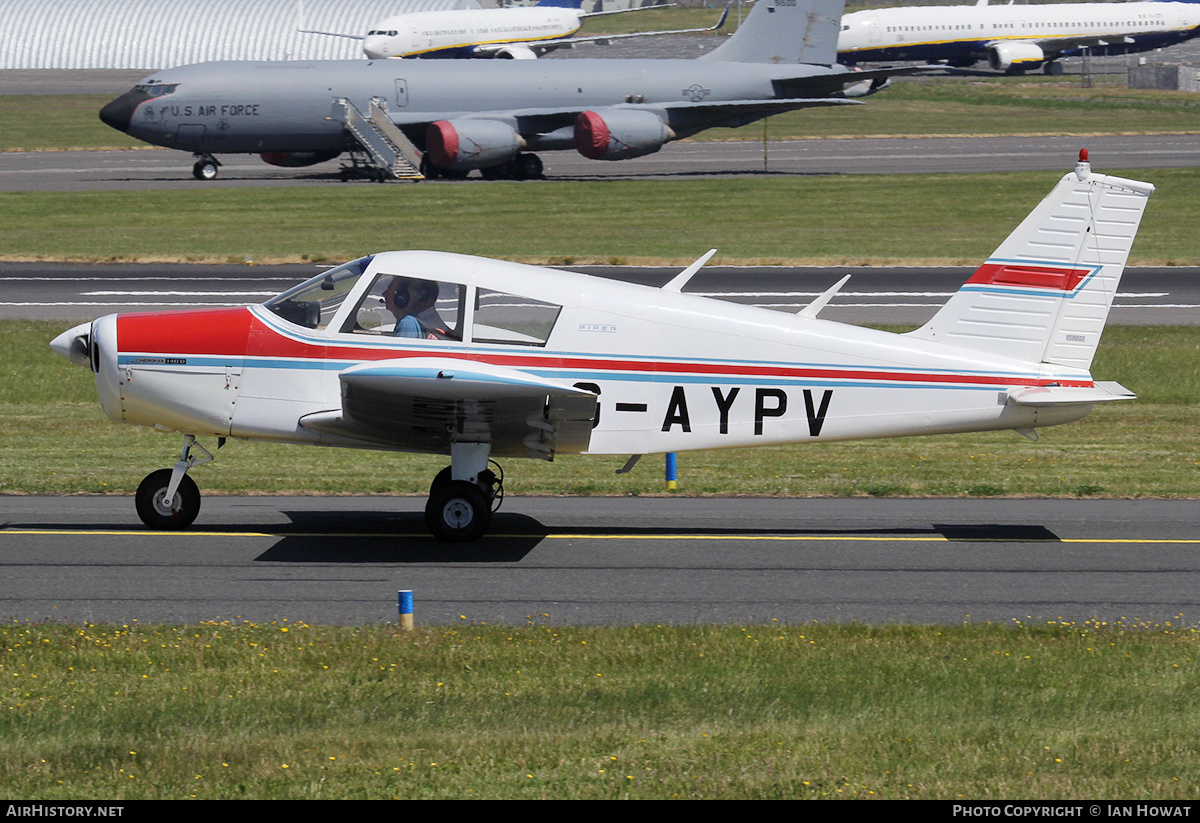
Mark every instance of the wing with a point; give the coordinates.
(331, 34)
(423, 404)
(604, 39)
(679, 114)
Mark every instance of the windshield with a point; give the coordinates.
(314, 302)
(154, 89)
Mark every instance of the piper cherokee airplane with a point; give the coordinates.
(473, 358)
(457, 115)
(1014, 38)
(516, 33)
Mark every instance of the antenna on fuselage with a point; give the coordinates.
(680, 280)
(814, 308)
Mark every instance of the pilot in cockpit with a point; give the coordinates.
(398, 299)
(425, 296)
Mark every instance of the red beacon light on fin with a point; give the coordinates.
(1083, 169)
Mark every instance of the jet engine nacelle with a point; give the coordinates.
(516, 53)
(620, 134)
(296, 159)
(1004, 56)
(462, 145)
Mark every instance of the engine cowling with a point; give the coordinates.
(462, 145)
(515, 53)
(296, 159)
(620, 134)
(1005, 56)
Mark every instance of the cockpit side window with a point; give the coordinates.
(512, 319)
(314, 302)
(397, 305)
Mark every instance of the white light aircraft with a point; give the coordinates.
(521, 33)
(1013, 38)
(474, 358)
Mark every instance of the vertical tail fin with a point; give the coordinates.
(785, 31)
(1044, 295)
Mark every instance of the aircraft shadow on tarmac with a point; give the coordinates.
(400, 537)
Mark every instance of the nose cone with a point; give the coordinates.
(377, 47)
(119, 113)
(74, 344)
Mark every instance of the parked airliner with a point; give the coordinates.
(1013, 38)
(518, 33)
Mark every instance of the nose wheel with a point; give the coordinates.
(206, 167)
(168, 499)
(160, 513)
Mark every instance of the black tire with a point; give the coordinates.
(205, 170)
(440, 481)
(529, 167)
(488, 483)
(184, 507)
(459, 512)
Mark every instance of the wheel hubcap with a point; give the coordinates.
(458, 514)
(167, 508)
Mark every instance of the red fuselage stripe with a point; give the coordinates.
(238, 333)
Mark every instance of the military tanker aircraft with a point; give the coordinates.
(475, 359)
(450, 117)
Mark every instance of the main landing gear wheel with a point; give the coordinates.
(205, 169)
(528, 167)
(457, 511)
(156, 512)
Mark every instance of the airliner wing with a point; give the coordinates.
(541, 121)
(548, 45)
(426, 403)
(331, 34)
(1059, 44)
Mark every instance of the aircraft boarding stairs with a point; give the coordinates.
(391, 153)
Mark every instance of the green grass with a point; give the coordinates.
(57, 441)
(850, 219)
(234, 710)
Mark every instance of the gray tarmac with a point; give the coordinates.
(680, 561)
(162, 169)
(901, 296)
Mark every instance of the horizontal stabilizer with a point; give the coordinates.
(1043, 396)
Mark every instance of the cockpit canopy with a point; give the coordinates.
(358, 298)
(152, 90)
